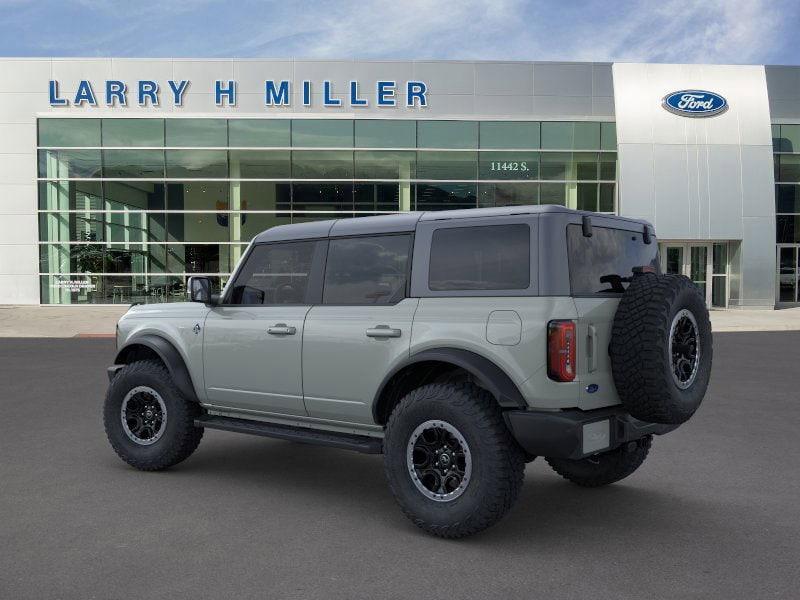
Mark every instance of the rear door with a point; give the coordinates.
(598, 267)
(362, 327)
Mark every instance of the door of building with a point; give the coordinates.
(787, 280)
(692, 260)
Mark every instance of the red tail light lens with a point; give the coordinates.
(561, 350)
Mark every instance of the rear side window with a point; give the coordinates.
(601, 264)
(274, 274)
(488, 257)
(367, 270)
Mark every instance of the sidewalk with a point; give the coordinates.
(90, 321)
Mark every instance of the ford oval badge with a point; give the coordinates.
(592, 388)
(695, 103)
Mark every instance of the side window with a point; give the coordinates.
(274, 274)
(487, 257)
(367, 270)
(603, 263)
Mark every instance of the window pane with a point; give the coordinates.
(197, 132)
(274, 274)
(607, 198)
(718, 291)
(385, 165)
(64, 227)
(556, 165)
(70, 195)
(322, 133)
(198, 195)
(260, 164)
(509, 134)
(134, 195)
(789, 170)
(199, 227)
(133, 164)
(587, 136)
(447, 134)
(587, 196)
(508, 194)
(585, 166)
(494, 257)
(254, 223)
(197, 163)
(787, 198)
(366, 270)
(608, 166)
(446, 196)
(557, 135)
(608, 136)
(272, 133)
(322, 197)
(322, 164)
(381, 196)
(69, 132)
(720, 262)
(509, 165)
(447, 165)
(776, 138)
(380, 133)
(790, 138)
(553, 193)
(62, 164)
(262, 195)
(133, 132)
(609, 252)
(198, 258)
(788, 229)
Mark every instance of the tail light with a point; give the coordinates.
(561, 350)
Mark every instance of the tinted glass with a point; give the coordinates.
(385, 165)
(789, 170)
(381, 197)
(586, 136)
(447, 134)
(63, 164)
(322, 197)
(608, 136)
(787, 198)
(62, 133)
(367, 270)
(601, 263)
(587, 196)
(509, 134)
(447, 165)
(787, 229)
(263, 195)
(269, 133)
(493, 257)
(133, 132)
(260, 164)
(446, 196)
(375, 133)
(790, 138)
(557, 135)
(70, 195)
(197, 163)
(509, 165)
(322, 164)
(274, 274)
(508, 194)
(322, 133)
(553, 193)
(198, 195)
(134, 195)
(197, 132)
(131, 164)
(556, 165)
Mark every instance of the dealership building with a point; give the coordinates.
(119, 178)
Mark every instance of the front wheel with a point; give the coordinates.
(603, 469)
(450, 460)
(147, 420)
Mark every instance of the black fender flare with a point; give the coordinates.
(171, 358)
(492, 377)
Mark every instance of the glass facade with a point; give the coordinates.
(128, 208)
(786, 148)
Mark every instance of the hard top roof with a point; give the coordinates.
(404, 222)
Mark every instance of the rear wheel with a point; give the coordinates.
(148, 422)
(451, 463)
(606, 468)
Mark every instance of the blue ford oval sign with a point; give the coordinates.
(695, 103)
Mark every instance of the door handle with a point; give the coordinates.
(592, 367)
(282, 329)
(383, 331)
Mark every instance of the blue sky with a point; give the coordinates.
(712, 31)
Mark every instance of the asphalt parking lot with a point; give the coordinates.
(713, 513)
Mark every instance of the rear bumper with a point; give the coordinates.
(576, 434)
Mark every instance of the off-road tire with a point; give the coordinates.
(498, 463)
(641, 363)
(606, 468)
(180, 437)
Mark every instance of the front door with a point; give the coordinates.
(252, 351)
(692, 260)
(361, 329)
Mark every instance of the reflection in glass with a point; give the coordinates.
(789, 169)
(259, 133)
(63, 164)
(553, 193)
(261, 195)
(447, 134)
(132, 164)
(447, 165)
(198, 195)
(587, 196)
(197, 164)
(385, 165)
(322, 164)
(322, 197)
(508, 194)
(133, 132)
(509, 134)
(322, 133)
(556, 166)
(383, 133)
(134, 195)
(65, 133)
(787, 198)
(260, 164)
(381, 197)
(70, 195)
(198, 258)
(509, 165)
(197, 133)
(446, 196)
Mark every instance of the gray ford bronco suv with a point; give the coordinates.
(459, 344)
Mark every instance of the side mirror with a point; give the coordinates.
(199, 290)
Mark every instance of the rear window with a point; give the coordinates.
(601, 264)
(490, 257)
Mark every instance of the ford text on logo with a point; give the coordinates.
(695, 103)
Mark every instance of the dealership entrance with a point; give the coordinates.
(705, 263)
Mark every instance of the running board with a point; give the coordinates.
(305, 435)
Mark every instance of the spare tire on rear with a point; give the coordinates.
(661, 348)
